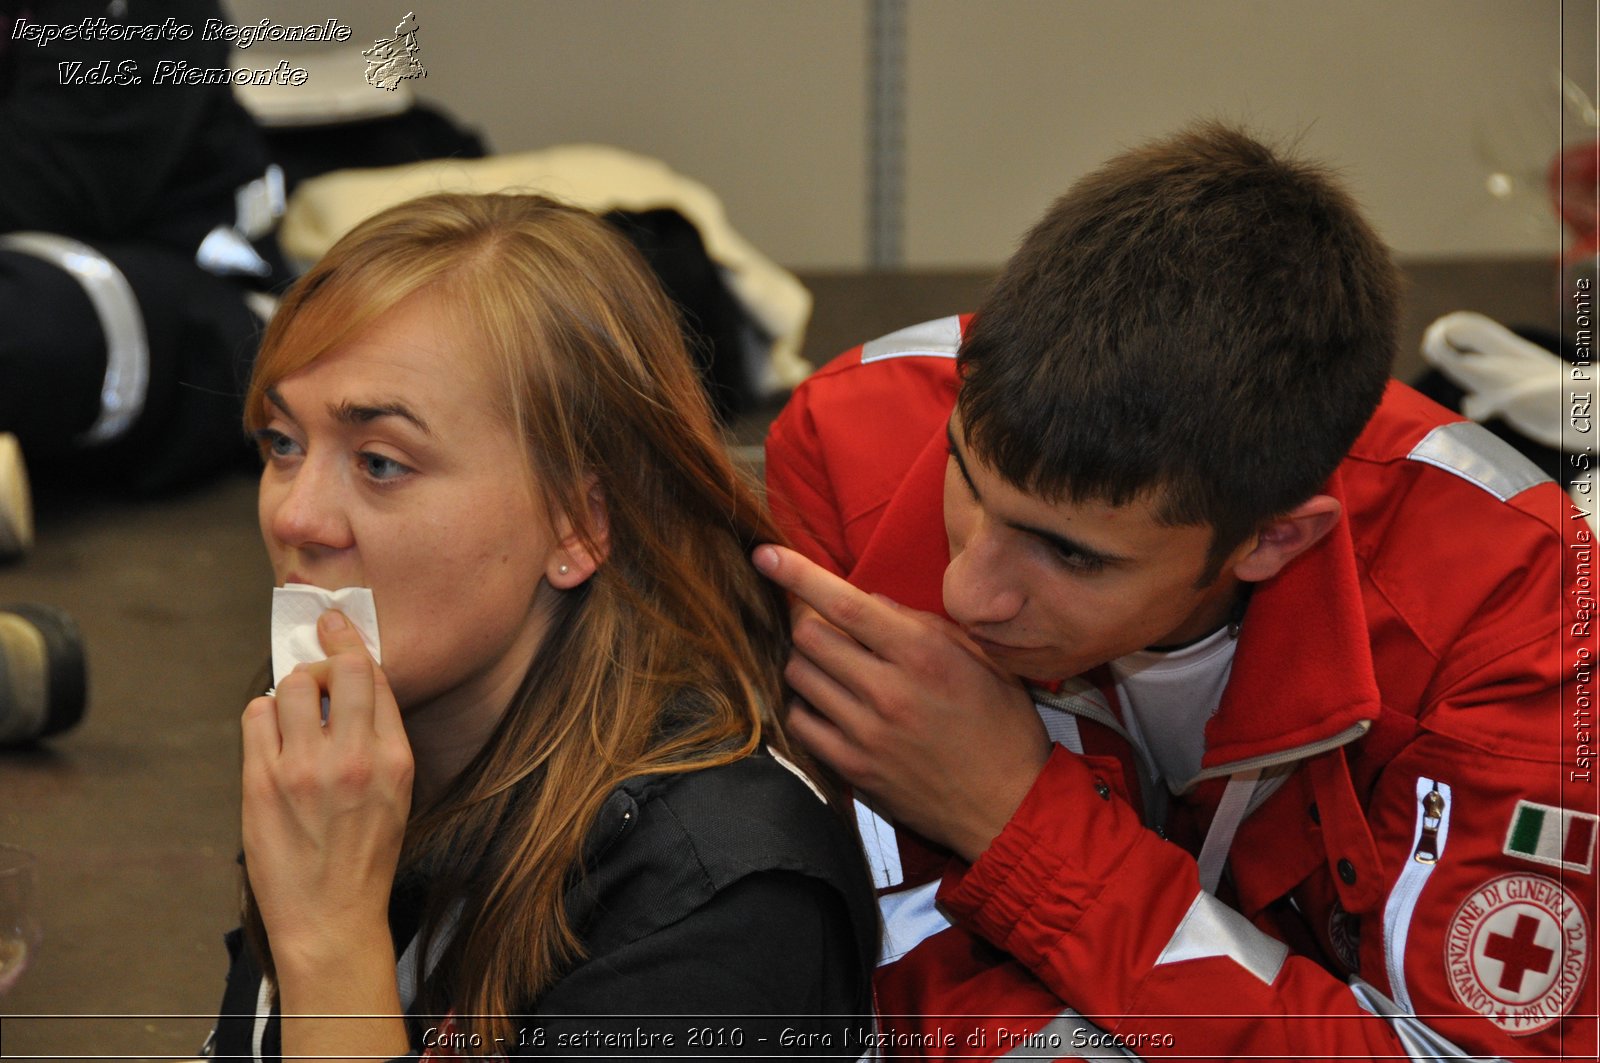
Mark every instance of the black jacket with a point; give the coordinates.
(724, 913)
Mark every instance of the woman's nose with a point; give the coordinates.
(305, 506)
(980, 586)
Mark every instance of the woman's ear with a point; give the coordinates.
(576, 557)
(1285, 538)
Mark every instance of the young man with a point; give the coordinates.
(1253, 733)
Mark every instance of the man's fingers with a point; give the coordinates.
(862, 616)
(850, 664)
(825, 693)
(823, 739)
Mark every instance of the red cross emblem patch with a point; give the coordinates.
(1517, 951)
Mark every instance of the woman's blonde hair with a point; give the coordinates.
(668, 659)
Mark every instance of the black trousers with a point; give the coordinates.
(201, 337)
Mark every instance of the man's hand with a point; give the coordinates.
(906, 709)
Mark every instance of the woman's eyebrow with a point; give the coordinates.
(358, 413)
(277, 400)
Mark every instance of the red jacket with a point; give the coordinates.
(1418, 689)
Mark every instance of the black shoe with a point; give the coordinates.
(43, 679)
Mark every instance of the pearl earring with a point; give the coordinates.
(563, 570)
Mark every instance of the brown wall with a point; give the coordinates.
(1008, 100)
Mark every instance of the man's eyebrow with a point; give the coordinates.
(1060, 542)
(961, 462)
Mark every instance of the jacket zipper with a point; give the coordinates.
(1427, 846)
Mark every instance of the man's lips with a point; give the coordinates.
(991, 647)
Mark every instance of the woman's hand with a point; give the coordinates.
(325, 809)
(325, 806)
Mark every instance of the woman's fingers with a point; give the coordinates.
(338, 635)
(386, 719)
(299, 706)
(332, 728)
(326, 796)
(355, 682)
(333, 698)
(259, 725)
(350, 678)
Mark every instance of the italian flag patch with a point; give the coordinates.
(1554, 836)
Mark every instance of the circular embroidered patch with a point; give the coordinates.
(1344, 937)
(1517, 951)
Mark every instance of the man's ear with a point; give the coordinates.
(1284, 538)
(575, 557)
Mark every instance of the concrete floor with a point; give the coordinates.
(134, 815)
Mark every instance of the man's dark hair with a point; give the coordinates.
(1201, 319)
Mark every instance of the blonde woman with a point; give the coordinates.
(557, 819)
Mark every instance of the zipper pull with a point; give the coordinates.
(1432, 815)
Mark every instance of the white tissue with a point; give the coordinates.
(295, 609)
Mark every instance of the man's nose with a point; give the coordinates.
(980, 587)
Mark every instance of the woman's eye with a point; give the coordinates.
(274, 444)
(378, 467)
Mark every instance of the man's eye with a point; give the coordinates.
(1084, 564)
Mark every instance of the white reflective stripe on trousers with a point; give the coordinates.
(127, 378)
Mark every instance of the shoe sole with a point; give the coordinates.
(43, 675)
(16, 506)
